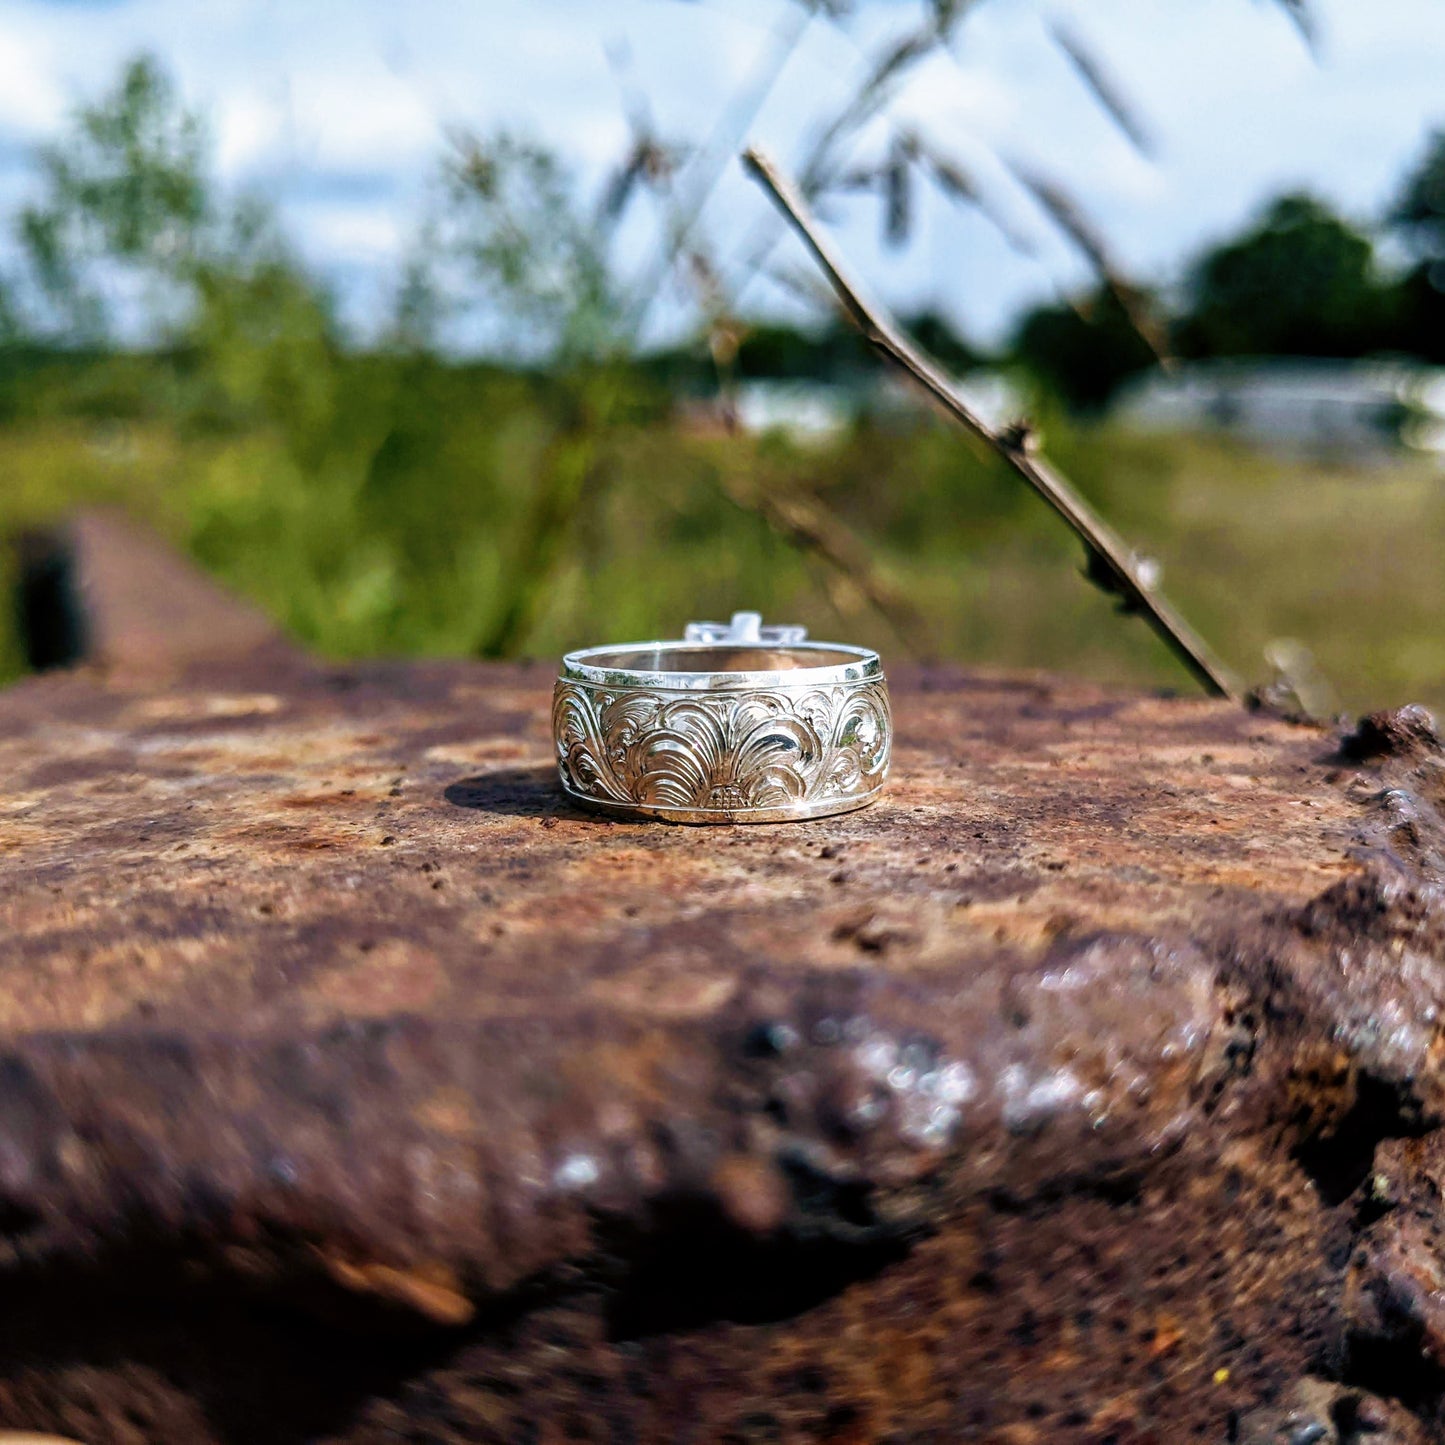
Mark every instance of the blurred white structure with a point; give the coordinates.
(818, 410)
(1315, 406)
(804, 410)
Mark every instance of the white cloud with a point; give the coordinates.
(351, 234)
(345, 120)
(249, 131)
(32, 101)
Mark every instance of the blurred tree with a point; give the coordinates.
(264, 337)
(938, 337)
(1418, 217)
(838, 352)
(131, 241)
(539, 255)
(1419, 212)
(1083, 352)
(125, 209)
(1419, 312)
(1301, 282)
(540, 260)
(787, 353)
(12, 326)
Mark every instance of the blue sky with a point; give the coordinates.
(338, 110)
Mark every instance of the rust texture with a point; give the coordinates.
(355, 1089)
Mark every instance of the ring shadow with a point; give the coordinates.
(514, 793)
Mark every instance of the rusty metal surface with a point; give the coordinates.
(1039, 1102)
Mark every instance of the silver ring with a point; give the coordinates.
(734, 723)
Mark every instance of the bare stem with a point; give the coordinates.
(807, 522)
(1112, 565)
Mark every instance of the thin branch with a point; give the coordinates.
(1103, 86)
(1068, 215)
(960, 188)
(709, 164)
(820, 535)
(1111, 563)
(1302, 13)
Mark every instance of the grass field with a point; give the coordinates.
(417, 522)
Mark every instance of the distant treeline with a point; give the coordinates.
(835, 353)
(131, 236)
(1299, 281)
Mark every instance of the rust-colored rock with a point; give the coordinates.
(1321, 1412)
(1402, 732)
(103, 590)
(354, 1089)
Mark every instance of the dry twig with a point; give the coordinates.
(1068, 215)
(1111, 563)
(804, 519)
(1103, 86)
(822, 537)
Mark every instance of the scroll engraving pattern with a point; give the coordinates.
(725, 751)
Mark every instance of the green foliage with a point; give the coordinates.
(1420, 209)
(124, 197)
(261, 340)
(539, 257)
(1300, 283)
(12, 328)
(380, 500)
(130, 212)
(1420, 312)
(539, 260)
(1082, 353)
(410, 545)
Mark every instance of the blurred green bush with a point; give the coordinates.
(394, 519)
(394, 501)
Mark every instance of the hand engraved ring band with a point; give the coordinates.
(735, 723)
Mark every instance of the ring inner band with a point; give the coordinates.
(718, 659)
